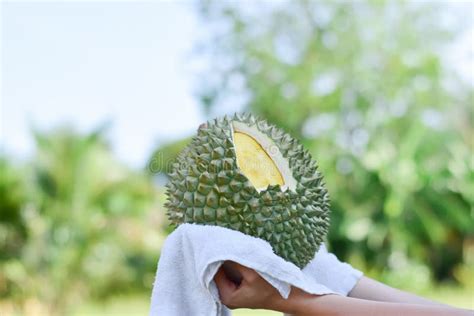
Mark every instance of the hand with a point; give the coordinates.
(241, 287)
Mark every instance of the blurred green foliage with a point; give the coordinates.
(74, 224)
(162, 159)
(364, 86)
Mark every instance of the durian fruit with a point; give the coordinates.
(245, 174)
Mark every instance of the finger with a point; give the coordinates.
(225, 286)
(248, 275)
(231, 271)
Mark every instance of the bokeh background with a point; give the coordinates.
(98, 97)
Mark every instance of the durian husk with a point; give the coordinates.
(207, 187)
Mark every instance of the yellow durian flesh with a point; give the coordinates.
(255, 163)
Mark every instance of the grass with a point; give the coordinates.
(452, 296)
(139, 305)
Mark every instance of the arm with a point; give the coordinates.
(369, 289)
(241, 287)
(300, 304)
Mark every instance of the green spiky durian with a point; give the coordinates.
(245, 174)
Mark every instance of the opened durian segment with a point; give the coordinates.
(260, 159)
(255, 163)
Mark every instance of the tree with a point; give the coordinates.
(364, 86)
(83, 216)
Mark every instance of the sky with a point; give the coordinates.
(82, 64)
(85, 63)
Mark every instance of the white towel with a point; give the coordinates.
(192, 254)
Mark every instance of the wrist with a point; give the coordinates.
(294, 304)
